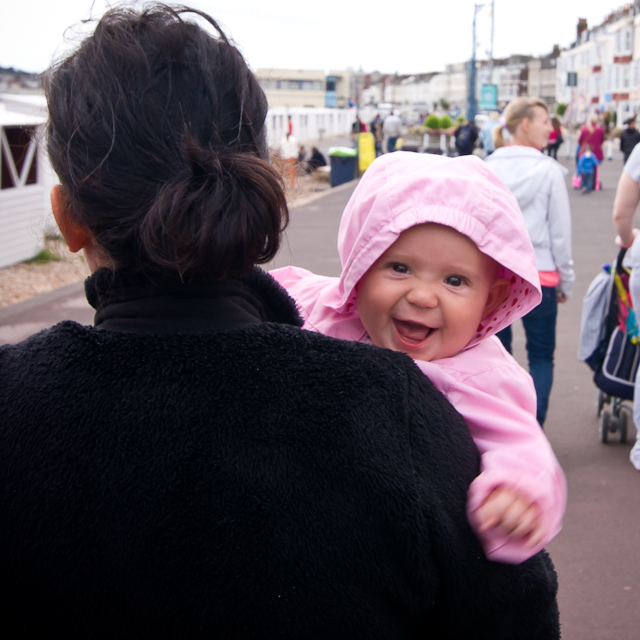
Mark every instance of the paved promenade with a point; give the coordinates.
(598, 552)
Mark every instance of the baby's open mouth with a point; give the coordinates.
(412, 331)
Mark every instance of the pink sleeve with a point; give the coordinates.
(303, 286)
(498, 404)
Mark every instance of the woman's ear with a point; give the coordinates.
(498, 293)
(74, 235)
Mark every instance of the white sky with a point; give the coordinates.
(406, 37)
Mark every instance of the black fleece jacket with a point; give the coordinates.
(169, 475)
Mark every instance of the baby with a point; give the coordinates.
(436, 259)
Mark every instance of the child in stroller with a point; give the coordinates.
(609, 344)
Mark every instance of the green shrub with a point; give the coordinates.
(432, 121)
(561, 109)
(445, 122)
(460, 119)
(45, 256)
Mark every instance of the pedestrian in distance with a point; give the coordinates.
(592, 134)
(376, 129)
(587, 166)
(436, 259)
(466, 136)
(629, 138)
(625, 206)
(486, 133)
(538, 184)
(555, 138)
(392, 129)
(195, 464)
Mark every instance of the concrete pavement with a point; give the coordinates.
(598, 552)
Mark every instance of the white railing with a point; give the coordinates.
(308, 124)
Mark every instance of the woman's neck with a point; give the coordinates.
(522, 141)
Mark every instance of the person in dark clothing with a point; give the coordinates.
(195, 464)
(376, 129)
(466, 136)
(629, 138)
(316, 160)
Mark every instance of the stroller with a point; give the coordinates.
(610, 345)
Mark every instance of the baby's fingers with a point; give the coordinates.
(519, 521)
(490, 513)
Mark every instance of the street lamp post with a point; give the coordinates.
(472, 108)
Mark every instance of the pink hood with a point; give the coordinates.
(403, 189)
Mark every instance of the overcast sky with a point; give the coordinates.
(405, 36)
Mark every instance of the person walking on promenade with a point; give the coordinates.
(195, 464)
(376, 129)
(538, 183)
(486, 133)
(391, 129)
(466, 136)
(555, 138)
(587, 167)
(629, 138)
(624, 208)
(592, 134)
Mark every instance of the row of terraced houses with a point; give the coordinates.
(599, 71)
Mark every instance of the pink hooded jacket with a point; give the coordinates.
(483, 382)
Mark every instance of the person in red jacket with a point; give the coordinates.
(592, 134)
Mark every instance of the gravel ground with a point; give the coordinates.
(25, 280)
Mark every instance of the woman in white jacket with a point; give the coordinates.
(538, 183)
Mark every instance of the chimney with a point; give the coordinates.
(582, 27)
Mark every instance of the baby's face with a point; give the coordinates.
(427, 293)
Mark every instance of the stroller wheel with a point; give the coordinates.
(605, 423)
(625, 418)
(601, 399)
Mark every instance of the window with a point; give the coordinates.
(18, 158)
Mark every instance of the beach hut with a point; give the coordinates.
(23, 183)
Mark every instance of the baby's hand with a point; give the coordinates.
(513, 514)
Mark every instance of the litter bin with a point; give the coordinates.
(343, 162)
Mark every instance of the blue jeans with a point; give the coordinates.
(391, 143)
(587, 180)
(540, 331)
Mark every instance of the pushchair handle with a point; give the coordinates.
(621, 254)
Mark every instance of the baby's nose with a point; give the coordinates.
(423, 295)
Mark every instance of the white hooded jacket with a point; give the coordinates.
(538, 183)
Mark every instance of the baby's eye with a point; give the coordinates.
(398, 267)
(455, 281)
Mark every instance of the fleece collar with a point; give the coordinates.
(131, 303)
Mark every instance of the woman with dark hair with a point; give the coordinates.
(555, 138)
(195, 464)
